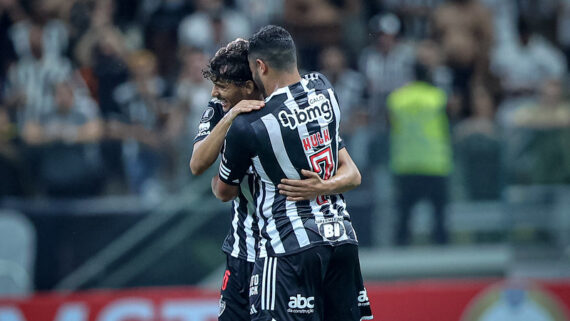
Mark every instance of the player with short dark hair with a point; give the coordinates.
(307, 266)
(234, 92)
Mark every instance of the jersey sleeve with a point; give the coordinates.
(237, 152)
(210, 118)
(341, 143)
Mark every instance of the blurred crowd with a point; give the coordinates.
(103, 97)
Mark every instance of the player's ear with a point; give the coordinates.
(249, 87)
(261, 65)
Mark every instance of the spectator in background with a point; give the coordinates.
(67, 136)
(505, 13)
(420, 152)
(161, 34)
(192, 93)
(314, 25)
(350, 86)
(261, 12)
(348, 83)
(548, 150)
(431, 55)
(522, 67)
(143, 116)
(541, 15)
(551, 111)
(354, 27)
(10, 13)
(102, 50)
(11, 169)
(415, 14)
(478, 148)
(563, 25)
(192, 90)
(212, 26)
(47, 15)
(102, 53)
(31, 79)
(464, 29)
(387, 64)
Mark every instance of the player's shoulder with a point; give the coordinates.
(210, 118)
(213, 110)
(317, 80)
(242, 123)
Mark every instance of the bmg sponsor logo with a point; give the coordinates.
(301, 304)
(319, 107)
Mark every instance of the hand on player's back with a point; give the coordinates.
(303, 189)
(245, 106)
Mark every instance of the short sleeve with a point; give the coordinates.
(237, 152)
(210, 118)
(341, 144)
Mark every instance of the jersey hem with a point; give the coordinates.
(310, 246)
(239, 257)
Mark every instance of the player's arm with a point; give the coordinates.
(205, 152)
(236, 159)
(224, 192)
(346, 178)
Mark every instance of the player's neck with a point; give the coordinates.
(283, 79)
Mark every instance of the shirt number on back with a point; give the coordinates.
(322, 163)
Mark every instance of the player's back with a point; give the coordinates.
(297, 129)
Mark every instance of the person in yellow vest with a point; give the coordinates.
(420, 151)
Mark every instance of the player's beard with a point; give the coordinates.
(259, 83)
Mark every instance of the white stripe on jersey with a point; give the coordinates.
(259, 169)
(248, 222)
(304, 133)
(271, 228)
(336, 110)
(297, 223)
(235, 246)
(274, 132)
(291, 207)
(261, 220)
(249, 239)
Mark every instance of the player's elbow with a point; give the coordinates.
(225, 198)
(224, 195)
(196, 168)
(357, 179)
(223, 191)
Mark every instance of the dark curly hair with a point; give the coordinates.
(274, 45)
(230, 64)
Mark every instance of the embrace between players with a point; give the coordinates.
(291, 251)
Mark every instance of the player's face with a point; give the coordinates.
(228, 93)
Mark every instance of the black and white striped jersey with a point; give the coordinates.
(297, 129)
(242, 240)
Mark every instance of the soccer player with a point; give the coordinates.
(307, 266)
(234, 92)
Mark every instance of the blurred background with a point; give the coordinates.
(456, 112)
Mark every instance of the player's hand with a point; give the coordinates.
(303, 189)
(245, 106)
